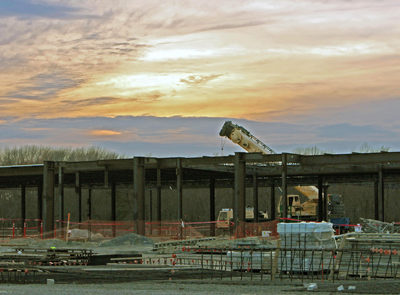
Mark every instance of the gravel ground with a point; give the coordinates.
(201, 288)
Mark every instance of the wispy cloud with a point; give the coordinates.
(29, 8)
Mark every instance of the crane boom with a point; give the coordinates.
(252, 144)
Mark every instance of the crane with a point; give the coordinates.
(241, 136)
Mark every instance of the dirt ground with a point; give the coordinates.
(203, 288)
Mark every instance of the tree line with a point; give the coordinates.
(32, 154)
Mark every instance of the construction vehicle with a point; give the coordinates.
(225, 217)
(303, 206)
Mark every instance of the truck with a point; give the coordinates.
(305, 205)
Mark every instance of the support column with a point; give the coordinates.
(40, 201)
(376, 198)
(284, 209)
(48, 196)
(61, 192)
(113, 206)
(239, 210)
(212, 206)
(23, 204)
(151, 212)
(78, 193)
(320, 201)
(179, 187)
(381, 194)
(89, 202)
(255, 197)
(139, 193)
(272, 200)
(159, 197)
(325, 212)
(106, 177)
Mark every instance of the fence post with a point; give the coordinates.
(24, 229)
(55, 231)
(13, 230)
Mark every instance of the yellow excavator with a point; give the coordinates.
(303, 206)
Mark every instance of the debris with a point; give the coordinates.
(351, 288)
(128, 240)
(50, 281)
(340, 288)
(312, 287)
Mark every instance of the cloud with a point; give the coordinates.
(104, 133)
(42, 86)
(29, 8)
(196, 80)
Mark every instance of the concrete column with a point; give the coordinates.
(179, 190)
(239, 210)
(61, 192)
(113, 206)
(255, 197)
(89, 202)
(151, 211)
(376, 198)
(272, 201)
(284, 209)
(48, 196)
(40, 201)
(212, 206)
(159, 197)
(320, 200)
(23, 204)
(139, 193)
(381, 194)
(325, 212)
(106, 176)
(78, 193)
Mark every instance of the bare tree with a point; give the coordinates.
(31, 154)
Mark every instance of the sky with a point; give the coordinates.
(159, 78)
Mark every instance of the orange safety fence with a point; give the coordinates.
(12, 228)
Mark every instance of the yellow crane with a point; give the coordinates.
(241, 136)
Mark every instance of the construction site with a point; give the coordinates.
(253, 221)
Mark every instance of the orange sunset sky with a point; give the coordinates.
(161, 77)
